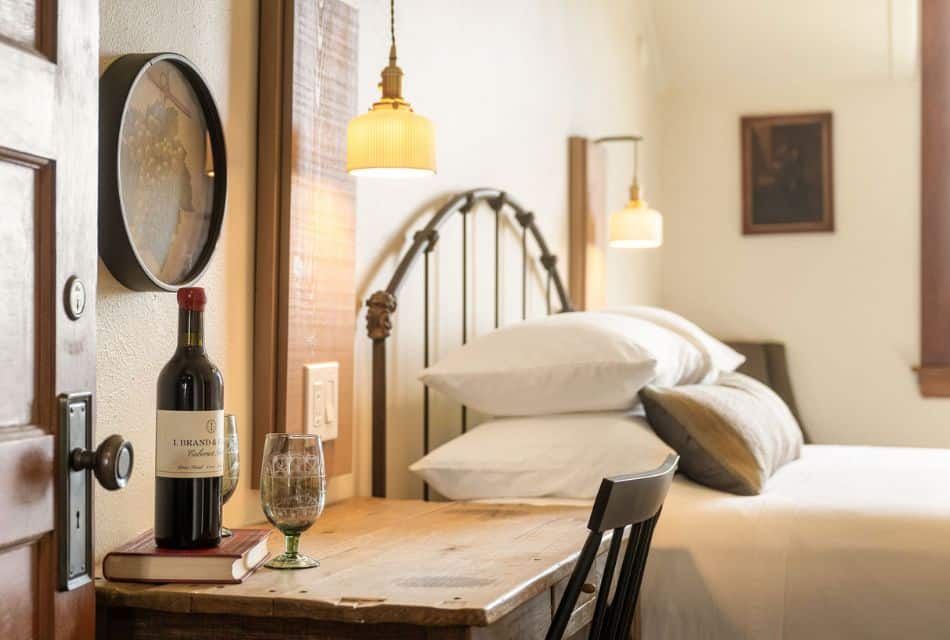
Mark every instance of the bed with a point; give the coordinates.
(845, 542)
(848, 542)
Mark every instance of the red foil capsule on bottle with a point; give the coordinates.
(192, 298)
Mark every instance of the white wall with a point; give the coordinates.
(506, 83)
(137, 331)
(846, 303)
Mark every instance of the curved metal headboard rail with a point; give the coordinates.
(382, 304)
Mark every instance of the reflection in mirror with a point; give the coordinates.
(164, 182)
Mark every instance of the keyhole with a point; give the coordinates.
(77, 519)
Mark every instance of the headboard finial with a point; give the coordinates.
(497, 203)
(524, 218)
(429, 236)
(379, 307)
(468, 204)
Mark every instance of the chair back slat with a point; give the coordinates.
(630, 601)
(573, 590)
(600, 609)
(630, 501)
(615, 612)
(638, 570)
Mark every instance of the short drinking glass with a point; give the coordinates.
(293, 491)
(232, 465)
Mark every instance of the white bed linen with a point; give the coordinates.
(846, 542)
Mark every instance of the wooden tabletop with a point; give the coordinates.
(425, 563)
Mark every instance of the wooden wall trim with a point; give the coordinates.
(934, 372)
(305, 245)
(587, 251)
(269, 165)
(577, 214)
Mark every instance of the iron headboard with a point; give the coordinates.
(382, 304)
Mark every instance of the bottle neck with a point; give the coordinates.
(191, 328)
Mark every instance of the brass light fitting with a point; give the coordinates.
(636, 226)
(391, 140)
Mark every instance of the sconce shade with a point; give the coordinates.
(636, 226)
(390, 140)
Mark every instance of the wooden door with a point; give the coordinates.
(48, 159)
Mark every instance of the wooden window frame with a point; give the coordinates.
(305, 256)
(933, 375)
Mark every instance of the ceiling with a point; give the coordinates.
(717, 42)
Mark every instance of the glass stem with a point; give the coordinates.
(291, 544)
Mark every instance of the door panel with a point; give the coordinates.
(29, 82)
(29, 24)
(27, 462)
(48, 187)
(18, 282)
(21, 616)
(26, 486)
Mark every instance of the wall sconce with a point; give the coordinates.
(390, 140)
(636, 226)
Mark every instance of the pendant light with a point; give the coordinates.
(391, 140)
(636, 226)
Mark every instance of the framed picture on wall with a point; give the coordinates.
(787, 174)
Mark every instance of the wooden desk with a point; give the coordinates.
(389, 569)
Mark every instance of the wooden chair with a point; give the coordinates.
(632, 500)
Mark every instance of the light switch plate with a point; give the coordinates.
(321, 383)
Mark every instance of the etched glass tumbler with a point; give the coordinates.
(293, 492)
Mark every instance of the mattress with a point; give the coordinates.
(847, 542)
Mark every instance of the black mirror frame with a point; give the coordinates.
(116, 247)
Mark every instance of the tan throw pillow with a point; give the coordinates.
(731, 435)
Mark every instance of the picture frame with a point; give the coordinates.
(787, 173)
(162, 171)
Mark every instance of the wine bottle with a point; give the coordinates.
(189, 437)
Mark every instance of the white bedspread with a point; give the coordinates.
(847, 542)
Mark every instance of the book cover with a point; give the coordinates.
(139, 560)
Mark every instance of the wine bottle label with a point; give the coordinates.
(189, 444)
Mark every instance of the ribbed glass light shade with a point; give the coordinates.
(390, 142)
(636, 226)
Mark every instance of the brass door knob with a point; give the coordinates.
(111, 462)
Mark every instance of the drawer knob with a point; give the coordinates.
(588, 588)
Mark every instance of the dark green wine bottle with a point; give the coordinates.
(189, 437)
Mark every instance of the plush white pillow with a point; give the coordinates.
(720, 357)
(564, 363)
(563, 456)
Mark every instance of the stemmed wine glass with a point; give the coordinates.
(293, 491)
(232, 465)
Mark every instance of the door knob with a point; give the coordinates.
(111, 462)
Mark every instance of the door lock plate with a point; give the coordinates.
(74, 499)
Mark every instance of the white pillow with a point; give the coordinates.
(720, 357)
(564, 363)
(563, 456)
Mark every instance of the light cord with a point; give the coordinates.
(392, 21)
(636, 162)
(635, 139)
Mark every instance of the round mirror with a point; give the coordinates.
(162, 172)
